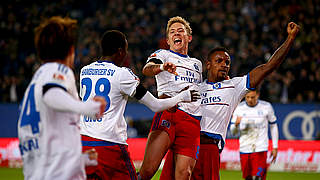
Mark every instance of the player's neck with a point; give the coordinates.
(180, 51)
(106, 58)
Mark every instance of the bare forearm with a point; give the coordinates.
(260, 72)
(151, 69)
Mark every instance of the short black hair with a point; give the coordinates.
(111, 41)
(212, 51)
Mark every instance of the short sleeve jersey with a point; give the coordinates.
(218, 101)
(49, 140)
(115, 84)
(189, 74)
(254, 125)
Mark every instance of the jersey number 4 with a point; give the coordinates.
(102, 88)
(30, 116)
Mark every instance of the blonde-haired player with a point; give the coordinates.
(179, 127)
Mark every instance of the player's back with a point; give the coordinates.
(50, 140)
(115, 84)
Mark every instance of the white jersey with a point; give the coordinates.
(189, 74)
(254, 126)
(218, 101)
(50, 142)
(103, 78)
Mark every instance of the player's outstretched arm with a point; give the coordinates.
(158, 105)
(260, 72)
(60, 100)
(152, 69)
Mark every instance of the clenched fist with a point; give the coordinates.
(293, 29)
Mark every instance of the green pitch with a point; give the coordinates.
(16, 174)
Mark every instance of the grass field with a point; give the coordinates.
(16, 174)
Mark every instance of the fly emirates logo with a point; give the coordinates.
(205, 99)
(189, 76)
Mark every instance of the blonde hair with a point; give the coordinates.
(178, 19)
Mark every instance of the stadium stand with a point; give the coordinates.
(251, 30)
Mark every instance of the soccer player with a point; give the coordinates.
(251, 118)
(108, 134)
(221, 95)
(48, 127)
(179, 127)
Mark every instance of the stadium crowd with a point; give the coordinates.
(251, 30)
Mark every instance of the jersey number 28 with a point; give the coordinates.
(102, 88)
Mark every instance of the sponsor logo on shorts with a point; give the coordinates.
(165, 123)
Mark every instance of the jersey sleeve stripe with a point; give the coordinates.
(48, 86)
(248, 83)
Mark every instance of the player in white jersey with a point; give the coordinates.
(177, 128)
(48, 127)
(252, 118)
(221, 95)
(108, 134)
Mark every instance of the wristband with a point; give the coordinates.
(161, 67)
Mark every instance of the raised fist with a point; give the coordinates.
(293, 29)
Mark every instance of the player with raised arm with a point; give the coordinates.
(108, 134)
(48, 127)
(221, 95)
(252, 118)
(179, 127)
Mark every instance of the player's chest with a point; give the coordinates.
(256, 116)
(217, 93)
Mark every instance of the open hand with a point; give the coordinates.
(194, 95)
(92, 154)
(170, 67)
(103, 104)
(274, 154)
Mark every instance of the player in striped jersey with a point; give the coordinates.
(252, 118)
(221, 95)
(108, 134)
(48, 127)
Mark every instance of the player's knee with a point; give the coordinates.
(183, 173)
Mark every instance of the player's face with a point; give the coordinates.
(218, 66)
(252, 98)
(178, 38)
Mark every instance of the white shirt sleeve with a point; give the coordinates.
(234, 130)
(128, 82)
(241, 86)
(60, 100)
(159, 54)
(273, 127)
(158, 105)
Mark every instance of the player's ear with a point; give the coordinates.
(189, 38)
(208, 64)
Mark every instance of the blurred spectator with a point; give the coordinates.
(250, 29)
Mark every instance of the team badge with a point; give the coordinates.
(196, 67)
(216, 85)
(166, 123)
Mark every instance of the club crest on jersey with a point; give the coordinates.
(216, 85)
(166, 123)
(58, 76)
(153, 55)
(196, 67)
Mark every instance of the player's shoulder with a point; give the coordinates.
(124, 71)
(159, 51)
(265, 103)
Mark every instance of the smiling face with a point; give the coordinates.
(178, 38)
(218, 66)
